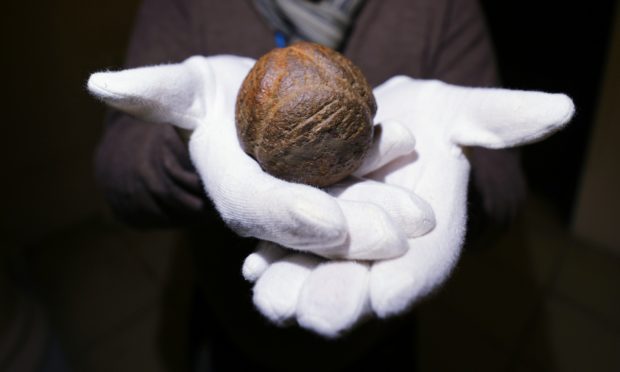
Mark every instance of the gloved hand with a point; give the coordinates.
(329, 297)
(368, 220)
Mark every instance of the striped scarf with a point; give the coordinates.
(325, 22)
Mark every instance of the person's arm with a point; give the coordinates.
(462, 50)
(464, 56)
(143, 168)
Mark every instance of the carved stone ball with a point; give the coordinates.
(305, 113)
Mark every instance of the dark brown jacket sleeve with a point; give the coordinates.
(143, 168)
(461, 52)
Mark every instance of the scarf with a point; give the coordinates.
(325, 22)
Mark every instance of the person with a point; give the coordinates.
(149, 181)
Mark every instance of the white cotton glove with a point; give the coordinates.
(368, 220)
(329, 297)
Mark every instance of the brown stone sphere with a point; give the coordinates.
(305, 113)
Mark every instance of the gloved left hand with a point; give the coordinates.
(369, 220)
(329, 297)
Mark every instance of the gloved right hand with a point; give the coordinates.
(367, 220)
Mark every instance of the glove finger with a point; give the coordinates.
(391, 140)
(498, 118)
(257, 263)
(254, 203)
(372, 234)
(276, 292)
(146, 92)
(334, 297)
(410, 212)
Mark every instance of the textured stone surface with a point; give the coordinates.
(305, 114)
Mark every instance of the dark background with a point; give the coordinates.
(555, 47)
(52, 210)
